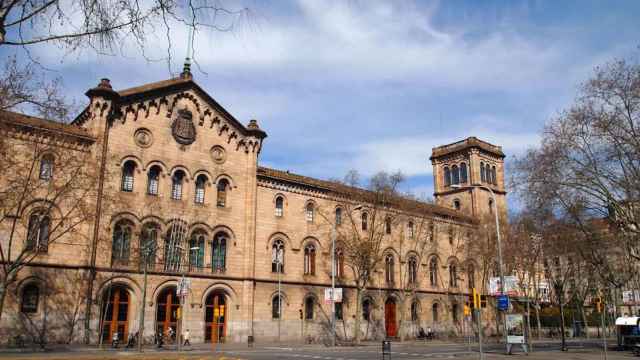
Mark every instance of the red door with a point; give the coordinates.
(390, 318)
(215, 318)
(167, 311)
(115, 314)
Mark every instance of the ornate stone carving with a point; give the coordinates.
(218, 154)
(183, 129)
(143, 138)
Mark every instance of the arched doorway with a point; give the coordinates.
(167, 310)
(390, 318)
(215, 317)
(115, 313)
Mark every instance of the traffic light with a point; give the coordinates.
(300, 310)
(483, 301)
(598, 303)
(476, 299)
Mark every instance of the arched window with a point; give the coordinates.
(277, 256)
(387, 226)
(463, 173)
(451, 236)
(127, 176)
(196, 250)
(30, 299)
(447, 176)
(366, 309)
(153, 179)
(433, 272)
(121, 242)
(483, 176)
(415, 311)
(309, 259)
(487, 175)
(46, 167)
(471, 276)
(174, 246)
(219, 252)
(201, 182)
(432, 232)
(338, 308)
(455, 175)
(176, 185)
(279, 206)
(456, 204)
(338, 216)
(410, 232)
(388, 268)
(309, 303)
(453, 275)
(434, 312)
(412, 270)
(276, 305)
(223, 186)
(454, 312)
(365, 222)
(339, 263)
(38, 232)
(494, 180)
(149, 244)
(309, 212)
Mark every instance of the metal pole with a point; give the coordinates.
(279, 293)
(142, 306)
(604, 337)
(479, 314)
(495, 211)
(333, 284)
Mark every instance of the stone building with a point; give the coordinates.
(180, 193)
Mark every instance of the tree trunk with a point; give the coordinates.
(357, 319)
(3, 294)
(538, 325)
(586, 323)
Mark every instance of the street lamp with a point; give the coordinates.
(495, 212)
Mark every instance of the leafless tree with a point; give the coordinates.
(107, 26)
(46, 196)
(587, 172)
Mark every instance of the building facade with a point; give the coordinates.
(180, 196)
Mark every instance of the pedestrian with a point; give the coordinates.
(132, 340)
(114, 340)
(159, 339)
(170, 334)
(185, 336)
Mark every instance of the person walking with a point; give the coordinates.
(185, 336)
(114, 340)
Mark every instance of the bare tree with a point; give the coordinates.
(106, 26)
(46, 195)
(588, 166)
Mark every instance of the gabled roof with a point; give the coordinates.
(32, 123)
(181, 84)
(396, 202)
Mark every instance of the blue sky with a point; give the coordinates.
(374, 85)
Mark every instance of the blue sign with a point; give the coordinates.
(503, 302)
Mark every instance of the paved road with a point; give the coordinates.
(586, 350)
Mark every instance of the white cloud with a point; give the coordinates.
(411, 154)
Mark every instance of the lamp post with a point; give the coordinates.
(147, 250)
(495, 212)
(333, 282)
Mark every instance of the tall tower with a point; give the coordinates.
(460, 168)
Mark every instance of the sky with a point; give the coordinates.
(375, 85)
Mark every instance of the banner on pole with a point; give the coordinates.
(337, 297)
(510, 285)
(515, 328)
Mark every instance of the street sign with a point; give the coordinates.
(503, 302)
(337, 297)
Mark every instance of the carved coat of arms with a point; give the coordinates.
(183, 129)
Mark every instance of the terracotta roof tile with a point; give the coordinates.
(152, 86)
(31, 122)
(397, 202)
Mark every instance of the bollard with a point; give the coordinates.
(386, 349)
